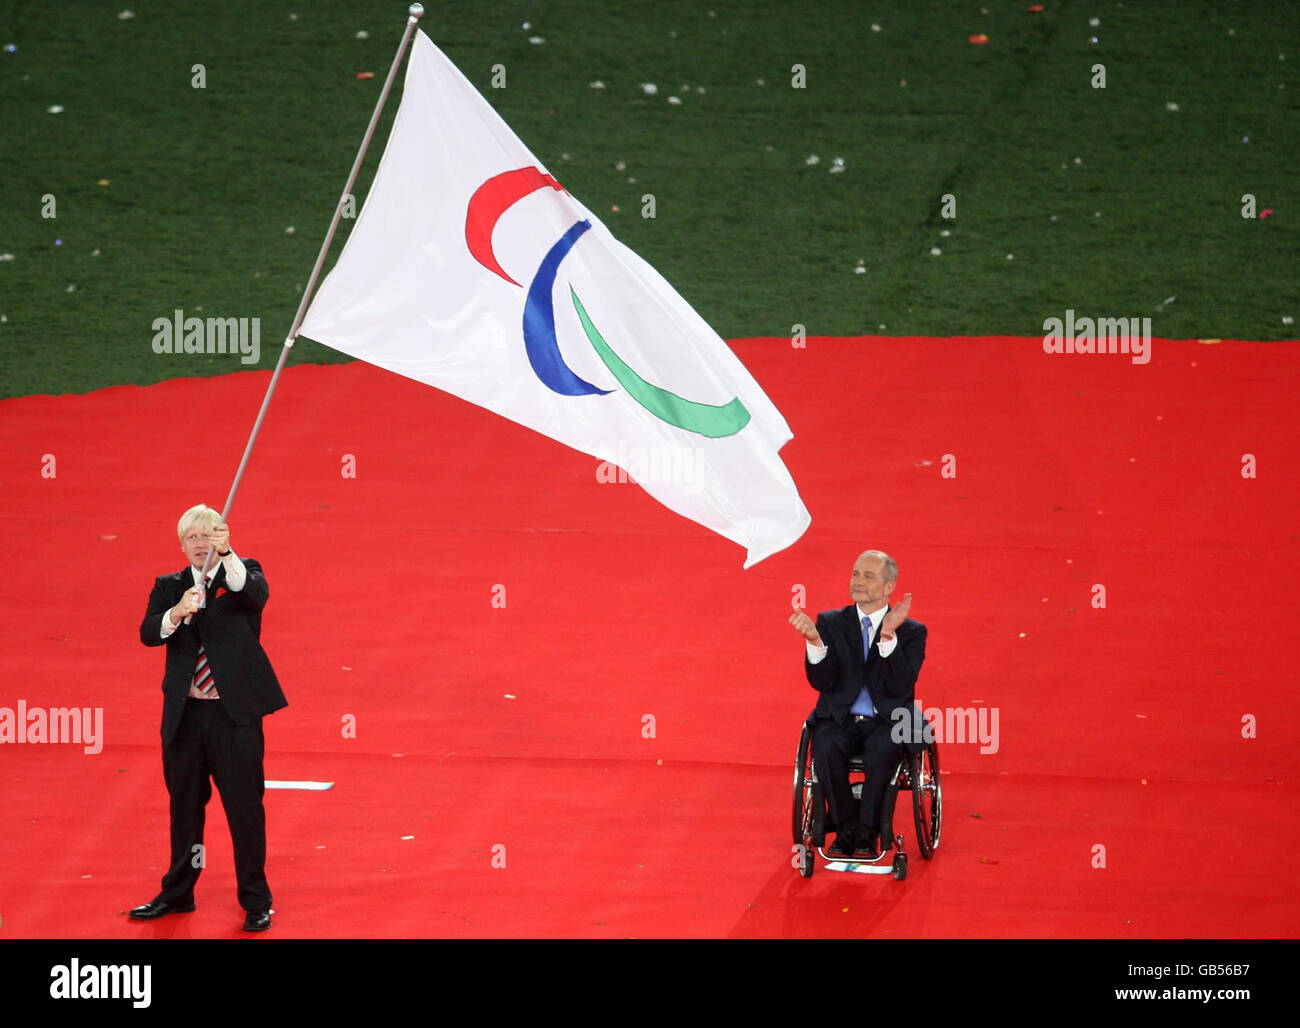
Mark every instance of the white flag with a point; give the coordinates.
(472, 270)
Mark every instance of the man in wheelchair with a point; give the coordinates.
(864, 660)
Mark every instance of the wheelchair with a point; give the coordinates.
(917, 772)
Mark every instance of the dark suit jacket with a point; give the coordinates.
(230, 626)
(890, 681)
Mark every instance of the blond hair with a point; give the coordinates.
(201, 514)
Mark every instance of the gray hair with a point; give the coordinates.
(891, 568)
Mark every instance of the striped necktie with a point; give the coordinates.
(203, 674)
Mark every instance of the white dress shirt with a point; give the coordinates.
(870, 630)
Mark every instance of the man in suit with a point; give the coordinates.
(864, 660)
(217, 686)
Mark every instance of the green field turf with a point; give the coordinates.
(1110, 202)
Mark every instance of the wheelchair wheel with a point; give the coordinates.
(804, 795)
(927, 798)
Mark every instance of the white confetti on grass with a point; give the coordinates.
(649, 88)
(125, 15)
(812, 159)
(55, 109)
(598, 84)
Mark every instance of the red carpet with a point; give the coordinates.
(1118, 727)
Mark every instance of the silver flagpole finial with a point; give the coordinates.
(417, 10)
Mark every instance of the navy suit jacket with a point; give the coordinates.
(841, 674)
(230, 628)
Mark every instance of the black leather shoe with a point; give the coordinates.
(257, 921)
(159, 907)
(866, 842)
(845, 843)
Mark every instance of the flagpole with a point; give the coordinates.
(414, 13)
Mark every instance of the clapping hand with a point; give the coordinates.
(805, 625)
(896, 616)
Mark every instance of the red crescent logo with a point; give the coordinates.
(490, 201)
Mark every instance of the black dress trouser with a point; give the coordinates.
(832, 746)
(208, 743)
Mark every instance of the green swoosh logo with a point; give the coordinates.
(713, 422)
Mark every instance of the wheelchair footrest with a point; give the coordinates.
(859, 867)
(883, 864)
